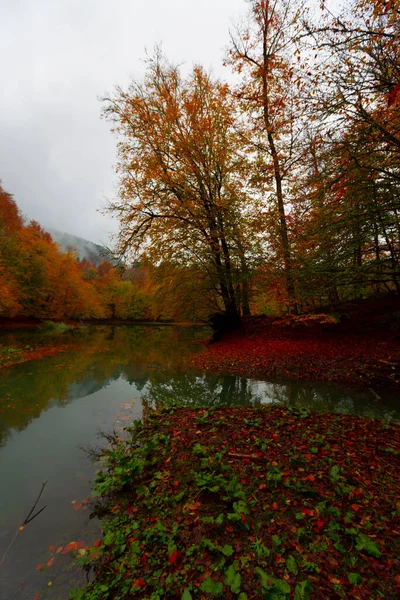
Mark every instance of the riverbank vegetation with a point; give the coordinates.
(248, 503)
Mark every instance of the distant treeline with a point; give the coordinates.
(39, 280)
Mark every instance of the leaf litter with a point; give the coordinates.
(249, 503)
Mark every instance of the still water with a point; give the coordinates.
(54, 408)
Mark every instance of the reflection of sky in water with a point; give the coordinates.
(50, 409)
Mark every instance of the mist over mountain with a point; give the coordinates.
(85, 249)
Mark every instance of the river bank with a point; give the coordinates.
(15, 355)
(309, 351)
(249, 503)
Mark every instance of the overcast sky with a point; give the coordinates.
(57, 57)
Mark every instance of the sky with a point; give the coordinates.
(57, 156)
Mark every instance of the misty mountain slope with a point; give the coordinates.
(85, 249)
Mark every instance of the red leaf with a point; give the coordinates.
(174, 557)
(139, 582)
(72, 546)
(97, 543)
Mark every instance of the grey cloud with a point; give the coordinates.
(56, 154)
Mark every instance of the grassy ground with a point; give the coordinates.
(249, 503)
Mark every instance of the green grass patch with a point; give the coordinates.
(55, 328)
(248, 503)
(9, 355)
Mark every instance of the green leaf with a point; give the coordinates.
(227, 550)
(186, 595)
(264, 579)
(334, 474)
(354, 578)
(109, 538)
(303, 590)
(291, 565)
(212, 587)
(242, 596)
(233, 579)
(230, 575)
(365, 543)
(235, 587)
(274, 585)
(220, 519)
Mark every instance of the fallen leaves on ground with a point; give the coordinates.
(312, 355)
(271, 503)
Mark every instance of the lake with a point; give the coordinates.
(52, 410)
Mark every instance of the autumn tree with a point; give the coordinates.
(180, 170)
(262, 52)
(352, 184)
(10, 224)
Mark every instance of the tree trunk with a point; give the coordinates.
(278, 176)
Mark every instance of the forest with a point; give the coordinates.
(274, 191)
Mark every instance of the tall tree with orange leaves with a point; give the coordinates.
(181, 174)
(262, 52)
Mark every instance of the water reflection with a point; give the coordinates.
(97, 357)
(154, 358)
(211, 391)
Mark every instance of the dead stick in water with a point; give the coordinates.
(34, 506)
(23, 523)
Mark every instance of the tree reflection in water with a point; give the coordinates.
(153, 359)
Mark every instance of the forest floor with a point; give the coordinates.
(363, 349)
(248, 503)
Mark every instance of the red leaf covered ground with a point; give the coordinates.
(263, 350)
(264, 503)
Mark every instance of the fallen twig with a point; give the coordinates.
(377, 396)
(27, 520)
(250, 456)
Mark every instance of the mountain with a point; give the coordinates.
(85, 249)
